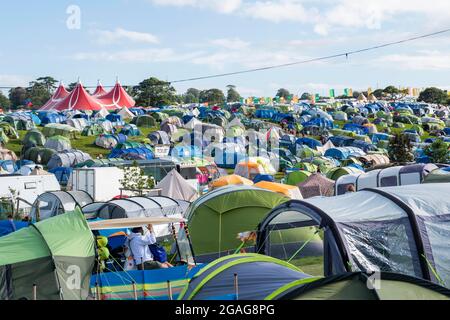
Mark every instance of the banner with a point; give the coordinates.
(332, 93)
(317, 97)
(346, 92)
(369, 91)
(350, 92)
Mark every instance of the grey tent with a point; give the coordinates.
(257, 277)
(68, 158)
(54, 203)
(58, 143)
(159, 137)
(403, 229)
(176, 187)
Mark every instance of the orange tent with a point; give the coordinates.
(292, 192)
(232, 179)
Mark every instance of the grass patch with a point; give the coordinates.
(310, 265)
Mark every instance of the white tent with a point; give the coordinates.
(126, 114)
(192, 123)
(176, 187)
(102, 113)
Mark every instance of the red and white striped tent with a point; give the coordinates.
(57, 97)
(117, 98)
(99, 91)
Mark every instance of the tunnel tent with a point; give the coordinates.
(438, 176)
(132, 154)
(403, 229)
(67, 158)
(342, 153)
(55, 203)
(258, 276)
(286, 190)
(39, 155)
(34, 137)
(338, 172)
(354, 286)
(144, 121)
(40, 255)
(159, 138)
(77, 123)
(58, 143)
(93, 130)
(57, 129)
(159, 116)
(130, 130)
(106, 141)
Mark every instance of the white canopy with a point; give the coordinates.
(126, 114)
(176, 187)
(133, 222)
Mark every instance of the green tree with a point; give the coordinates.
(38, 94)
(400, 149)
(283, 93)
(4, 101)
(212, 96)
(135, 179)
(232, 94)
(391, 92)
(378, 93)
(17, 96)
(306, 96)
(154, 92)
(433, 95)
(192, 95)
(438, 151)
(48, 82)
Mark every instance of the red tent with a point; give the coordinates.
(99, 91)
(59, 95)
(79, 99)
(117, 98)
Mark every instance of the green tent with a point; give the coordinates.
(296, 177)
(3, 137)
(324, 164)
(93, 130)
(159, 116)
(57, 129)
(216, 218)
(144, 121)
(57, 255)
(437, 176)
(306, 166)
(34, 137)
(39, 155)
(306, 152)
(338, 172)
(362, 286)
(9, 130)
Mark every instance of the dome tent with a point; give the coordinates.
(108, 141)
(34, 137)
(67, 158)
(130, 130)
(159, 137)
(293, 178)
(145, 121)
(93, 130)
(354, 286)
(258, 277)
(317, 185)
(56, 129)
(39, 255)
(58, 143)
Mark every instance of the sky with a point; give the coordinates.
(177, 39)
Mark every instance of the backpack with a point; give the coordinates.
(158, 252)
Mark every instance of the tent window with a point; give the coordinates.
(389, 181)
(386, 246)
(342, 188)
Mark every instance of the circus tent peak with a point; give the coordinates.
(79, 99)
(99, 91)
(117, 98)
(60, 93)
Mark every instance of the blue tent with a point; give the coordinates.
(9, 165)
(132, 153)
(258, 277)
(344, 153)
(62, 174)
(363, 145)
(187, 118)
(113, 117)
(377, 137)
(319, 122)
(263, 177)
(356, 128)
(130, 130)
(312, 143)
(341, 141)
(51, 117)
(137, 111)
(447, 131)
(265, 113)
(7, 226)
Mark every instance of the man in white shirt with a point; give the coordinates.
(138, 245)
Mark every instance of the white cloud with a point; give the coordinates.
(281, 10)
(232, 44)
(119, 34)
(137, 56)
(423, 60)
(10, 80)
(221, 6)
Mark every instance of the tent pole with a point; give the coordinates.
(236, 286)
(176, 241)
(169, 290)
(135, 291)
(34, 292)
(186, 229)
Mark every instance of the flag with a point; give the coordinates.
(350, 92)
(313, 99)
(332, 93)
(369, 91)
(295, 99)
(317, 97)
(346, 92)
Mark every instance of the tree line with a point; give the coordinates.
(156, 92)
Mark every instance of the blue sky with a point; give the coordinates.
(177, 39)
